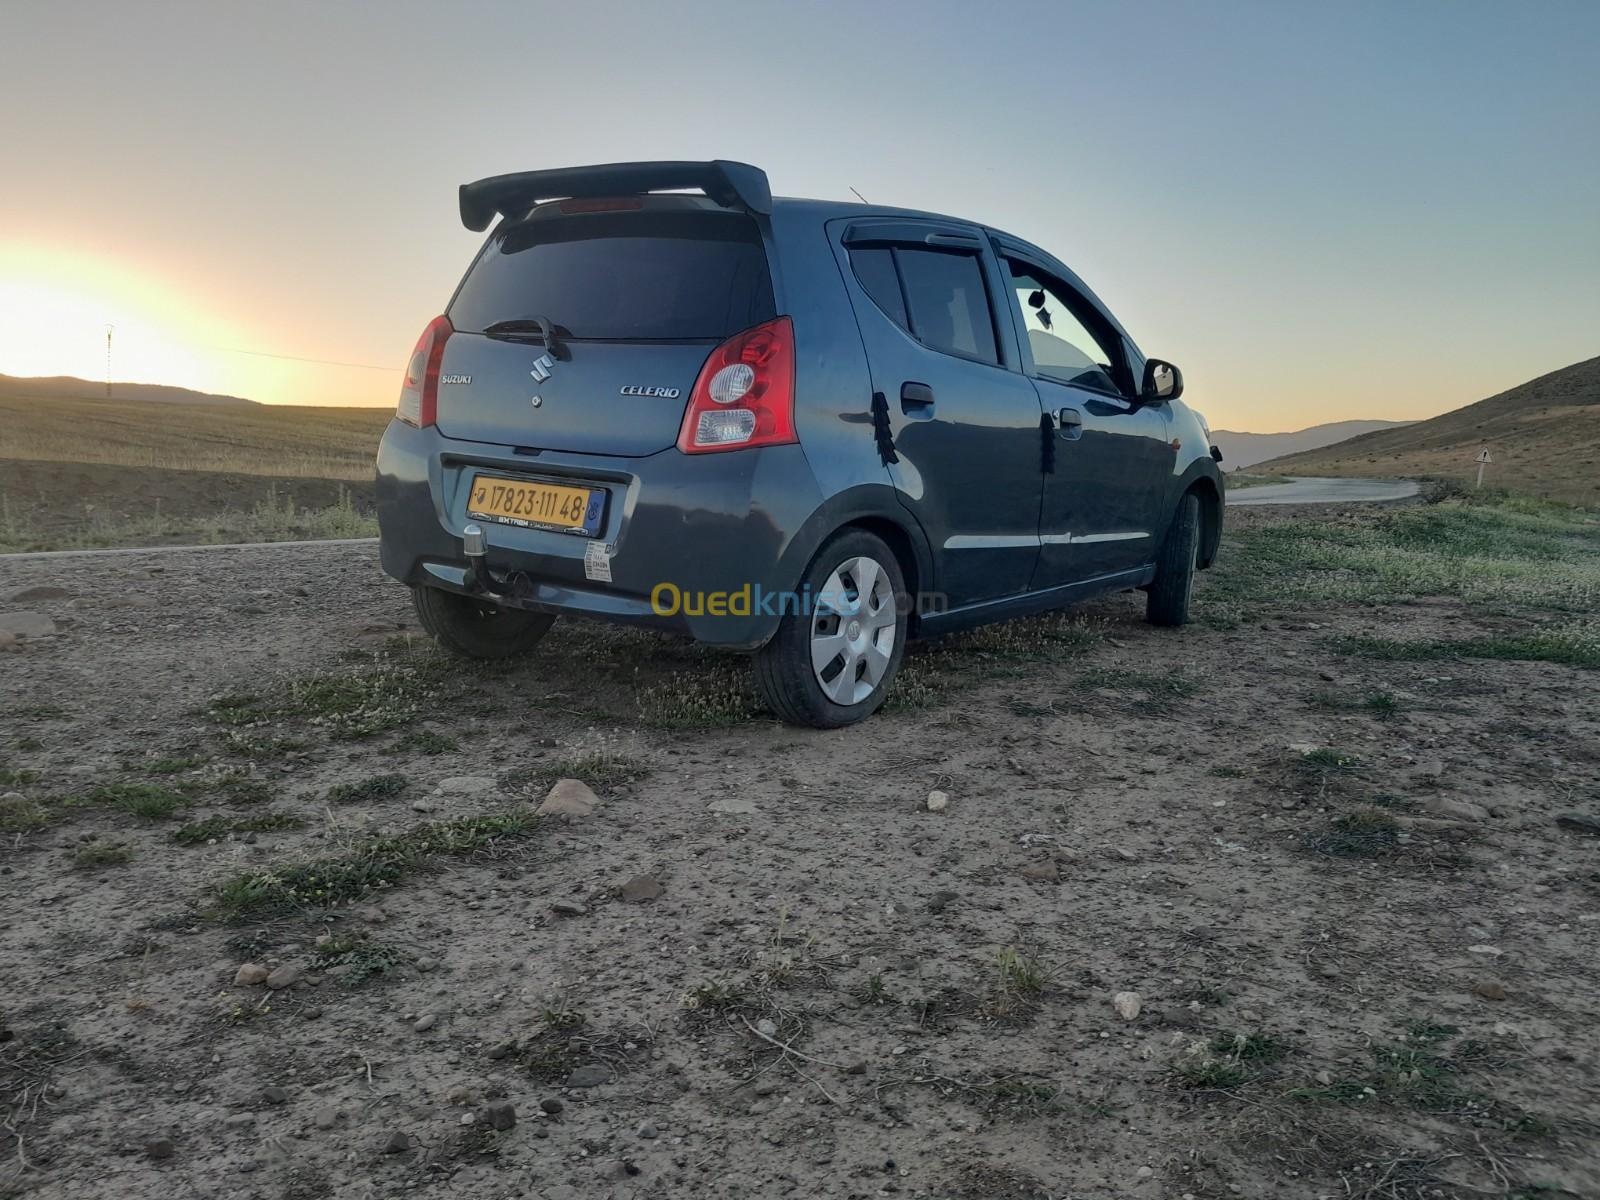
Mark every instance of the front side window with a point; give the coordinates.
(939, 298)
(1063, 347)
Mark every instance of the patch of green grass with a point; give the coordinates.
(932, 670)
(716, 996)
(601, 770)
(197, 833)
(1575, 645)
(1229, 772)
(22, 816)
(1509, 552)
(1382, 705)
(367, 865)
(716, 695)
(423, 741)
(1019, 982)
(358, 957)
(148, 801)
(373, 790)
(12, 778)
(101, 854)
(260, 749)
(29, 744)
(1364, 832)
(1250, 1047)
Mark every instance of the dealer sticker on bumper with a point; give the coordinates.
(597, 562)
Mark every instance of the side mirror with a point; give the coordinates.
(1162, 381)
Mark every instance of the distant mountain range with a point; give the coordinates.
(1247, 449)
(67, 387)
(1543, 437)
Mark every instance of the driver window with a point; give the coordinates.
(1062, 346)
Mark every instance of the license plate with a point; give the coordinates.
(534, 504)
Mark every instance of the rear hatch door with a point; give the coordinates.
(637, 298)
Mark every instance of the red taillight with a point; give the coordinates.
(745, 393)
(419, 394)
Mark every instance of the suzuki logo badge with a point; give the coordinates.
(541, 368)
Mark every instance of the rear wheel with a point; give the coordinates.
(1168, 603)
(833, 663)
(475, 628)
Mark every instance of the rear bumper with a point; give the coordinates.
(705, 526)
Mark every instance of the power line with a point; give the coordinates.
(325, 362)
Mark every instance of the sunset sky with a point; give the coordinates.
(1320, 211)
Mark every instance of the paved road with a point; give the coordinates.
(1326, 491)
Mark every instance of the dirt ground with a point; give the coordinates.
(1364, 950)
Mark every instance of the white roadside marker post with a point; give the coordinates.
(1484, 459)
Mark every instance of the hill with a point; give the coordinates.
(68, 387)
(1247, 449)
(1544, 436)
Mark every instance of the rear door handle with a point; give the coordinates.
(916, 400)
(1071, 421)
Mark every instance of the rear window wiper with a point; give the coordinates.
(541, 328)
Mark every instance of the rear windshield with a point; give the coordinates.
(682, 275)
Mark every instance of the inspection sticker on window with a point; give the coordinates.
(597, 561)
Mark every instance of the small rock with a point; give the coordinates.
(767, 1027)
(588, 1076)
(641, 888)
(284, 976)
(325, 1117)
(1455, 810)
(1488, 951)
(159, 1148)
(741, 806)
(569, 908)
(1144, 1172)
(551, 1106)
(423, 806)
(274, 1095)
(938, 801)
(1489, 988)
(501, 1116)
(425, 1023)
(396, 1143)
(250, 974)
(1328, 676)
(1585, 823)
(568, 798)
(372, 915)
(26, 624)
(503, 1050)
(310, 1014)
(1128, 1005)
(648, 1131)
(460, 1094)
(1042, 872)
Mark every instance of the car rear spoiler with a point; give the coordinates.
(733, 184)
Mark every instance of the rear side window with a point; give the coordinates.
(629, 276)
(939, 298)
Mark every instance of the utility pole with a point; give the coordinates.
(1484, 459)
(109, 328)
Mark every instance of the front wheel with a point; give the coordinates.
(475, 628)
(831, 663)
(1168, 602)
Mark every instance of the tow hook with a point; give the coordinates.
(476, 548)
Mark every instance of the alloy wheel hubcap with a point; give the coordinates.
(853, 628)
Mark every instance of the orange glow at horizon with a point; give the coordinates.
(57, 305)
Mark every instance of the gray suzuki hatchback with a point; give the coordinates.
(661, 396)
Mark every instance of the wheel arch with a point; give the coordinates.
(1210, 496)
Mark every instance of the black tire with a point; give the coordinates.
(1168, 601)
(783, 668)
(476, 628)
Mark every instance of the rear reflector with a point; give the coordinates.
(419, 394)
(745, 393)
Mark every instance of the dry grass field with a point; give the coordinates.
(1544, 436)
(85, 473)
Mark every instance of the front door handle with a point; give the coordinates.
(916, 400)
(1071, 421)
